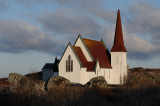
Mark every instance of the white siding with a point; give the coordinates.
(80, 75)
(106, 73)
(83, 76)
(103, 72)
(72, 76)
(119, 65)
(90, 74)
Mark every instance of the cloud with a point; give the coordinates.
(137, 44)
(93, 7)
(19, 36)
(88, 17)
(143, 22)
(2, 5)
(29, 3)
(83, 17)
(137, 47)
(68, 22)
(77, 16)
(96, 8)
(145, 19)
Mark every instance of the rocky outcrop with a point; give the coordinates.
(99, 82)
(57, 81)
(75, 85)
(25, 82)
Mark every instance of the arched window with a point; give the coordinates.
(69, 64)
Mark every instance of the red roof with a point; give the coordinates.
(98, 51)
(89, 65)
(118, 45)
(80, 54)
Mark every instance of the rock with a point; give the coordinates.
(57, 81)
(7, 90)
(25, 82)
(76, 85)
(99, 82)
(14, 79)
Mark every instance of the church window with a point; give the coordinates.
(66, 65)
(69, 64)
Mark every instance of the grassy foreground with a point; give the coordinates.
(141, 89)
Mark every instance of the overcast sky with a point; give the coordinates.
(33, 32)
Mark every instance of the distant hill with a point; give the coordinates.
(140, 69)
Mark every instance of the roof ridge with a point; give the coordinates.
(82, 39)
(75, 46)
(91, 40)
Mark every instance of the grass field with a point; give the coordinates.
(142, 88)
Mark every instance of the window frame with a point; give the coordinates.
(69, 64)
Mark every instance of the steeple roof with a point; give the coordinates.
(118, 45)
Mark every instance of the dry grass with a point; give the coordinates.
(143, 78)
(84, 97)
(142, 89)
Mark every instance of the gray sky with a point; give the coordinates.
(33, 32)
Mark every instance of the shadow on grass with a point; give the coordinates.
(84, 97)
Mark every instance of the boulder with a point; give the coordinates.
(99, 82)
(76, 85)
(25, 82)
(57, 81)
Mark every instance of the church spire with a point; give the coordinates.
(118, 45)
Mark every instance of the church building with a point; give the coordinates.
(90, 58)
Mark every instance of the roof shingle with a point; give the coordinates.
(89, 65)
(98, 51)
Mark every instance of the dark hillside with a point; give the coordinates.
(142, 88)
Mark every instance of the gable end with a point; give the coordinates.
(69, 44)
(79, 36)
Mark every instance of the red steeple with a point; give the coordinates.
(118, 45)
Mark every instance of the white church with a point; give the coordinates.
(90, 58)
